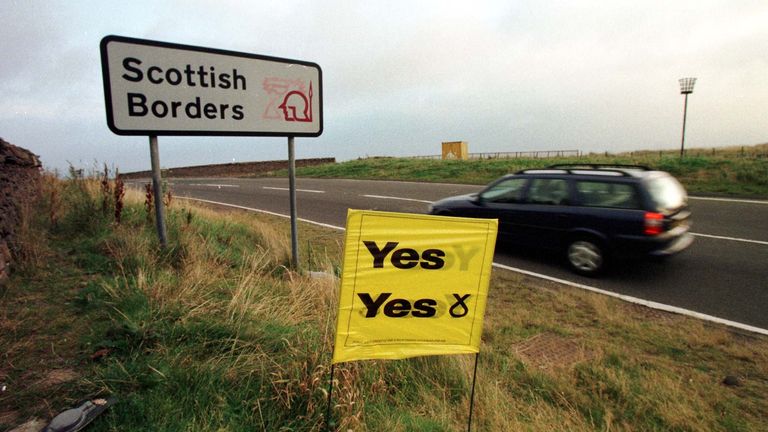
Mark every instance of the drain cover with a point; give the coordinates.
(548, 350)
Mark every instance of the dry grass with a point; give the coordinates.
(217, 324)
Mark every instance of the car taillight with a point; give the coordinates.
(654, 223)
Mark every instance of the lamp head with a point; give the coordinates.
(686, 85)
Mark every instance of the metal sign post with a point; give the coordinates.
(157, 186)
(292, 198)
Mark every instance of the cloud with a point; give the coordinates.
(401, 76)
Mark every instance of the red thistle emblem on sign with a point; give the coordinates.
(295, 103)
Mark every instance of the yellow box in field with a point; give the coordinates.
(455, 150)
(412, 285)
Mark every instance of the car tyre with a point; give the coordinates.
(586, 256)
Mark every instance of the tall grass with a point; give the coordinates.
(216, 333)
(212, 327)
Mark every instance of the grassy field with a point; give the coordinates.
(733, 172)
(215, 333)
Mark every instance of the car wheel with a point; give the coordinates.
(586, 257)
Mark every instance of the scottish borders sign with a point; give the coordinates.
(159, 88)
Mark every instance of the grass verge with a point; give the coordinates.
(216, 334)
(724, 173)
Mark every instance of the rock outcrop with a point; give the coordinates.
(20, 172)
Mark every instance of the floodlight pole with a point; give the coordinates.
(292, 197)
(685, 113)
(686, 88)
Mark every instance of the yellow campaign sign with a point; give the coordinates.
(412, 285)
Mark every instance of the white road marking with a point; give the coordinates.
(729, 200)
(397, 198)
(731, 238)
(215, 185)
(263, 211)
(297, 190)
(626, 298)
(136, 182)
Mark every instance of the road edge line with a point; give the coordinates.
(736, 200)
(736, 239)
(262, 211)
(623, 297)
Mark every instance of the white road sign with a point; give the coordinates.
(158, 88)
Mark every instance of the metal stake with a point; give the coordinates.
(472, 395)
(292, 195)
(157, 186)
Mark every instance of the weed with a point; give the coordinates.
(106, 191)
(167, 195)
(148, 200)
(119, 196)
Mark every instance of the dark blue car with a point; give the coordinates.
(590, 212)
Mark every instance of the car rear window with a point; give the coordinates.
(667, 193)
(607, 194)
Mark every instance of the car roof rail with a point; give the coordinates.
(583, 168)
(577, 170)
(598, 166)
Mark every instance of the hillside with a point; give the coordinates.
(735, 172)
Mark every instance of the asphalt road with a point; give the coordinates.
(723, 274)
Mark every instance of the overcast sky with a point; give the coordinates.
(400, 77)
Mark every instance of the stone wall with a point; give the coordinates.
(228, 170)
(19, 183)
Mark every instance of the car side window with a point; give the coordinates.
(607, 194)
(548, 191)
(505, 191)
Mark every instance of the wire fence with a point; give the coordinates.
(731, 152)
(513, 155)
(760, 151)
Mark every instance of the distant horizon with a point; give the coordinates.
(672, 151)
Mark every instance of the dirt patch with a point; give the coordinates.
(56, 377)
(34, 425)
(548, 350)
(643, 312)
(42, 360)
(9, 417)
